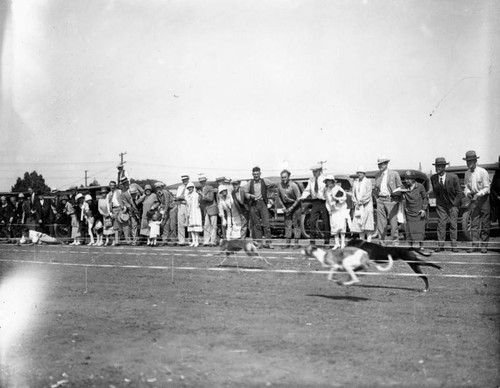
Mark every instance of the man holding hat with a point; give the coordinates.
(182, 212)
(477, 189)
(448, 192)
(315, 190)
(115, 207)
(209, 210)
(387, 185)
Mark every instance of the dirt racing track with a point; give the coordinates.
(160, 317)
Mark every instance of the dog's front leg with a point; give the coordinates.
(352, 274)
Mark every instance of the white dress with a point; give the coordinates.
(154, 229)
(337, 208)
(194, 212)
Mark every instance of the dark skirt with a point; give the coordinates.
(415, 230)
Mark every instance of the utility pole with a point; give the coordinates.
(121, 157)
(86, 171)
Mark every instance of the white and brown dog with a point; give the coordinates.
(349, 259)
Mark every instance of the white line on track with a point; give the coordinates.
(236, 269)
(169, 253)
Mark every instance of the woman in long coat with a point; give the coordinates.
(362, 221)
(149, 202)
(194, 214)
(415, 202)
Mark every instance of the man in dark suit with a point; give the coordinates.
(448, 192)
(47, 215)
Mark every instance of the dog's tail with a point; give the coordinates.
(388, 267)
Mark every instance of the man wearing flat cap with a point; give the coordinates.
(209, 211)
(130, 201)
(448, 192)
(387, 185)
(256, 193)
(315, 190)
(477, 190)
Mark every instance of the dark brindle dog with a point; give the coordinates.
(379, 253)
(232, 246)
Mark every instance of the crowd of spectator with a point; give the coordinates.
(124, 213)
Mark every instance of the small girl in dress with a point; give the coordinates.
(154, 229)
(194, 214)
(88, 215)
(336, 205)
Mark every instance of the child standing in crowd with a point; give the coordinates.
(337, 208)
(194, 214)
(154, 229)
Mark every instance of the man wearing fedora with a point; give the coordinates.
(448, 192)
(315, 189)
(387, 187)
(477, 190)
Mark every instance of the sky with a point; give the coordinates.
(218, 87)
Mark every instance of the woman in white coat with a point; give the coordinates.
(194, 214)
(362, 221)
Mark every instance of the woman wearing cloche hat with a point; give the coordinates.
(194, 224)
(477, 189)
(362, 221)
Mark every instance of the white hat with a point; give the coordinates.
(361, 169)
(329, 177)
(78, 196)
(202, 177)
(383, 159)
(190, 184)
(88, 198)
(316, 167)
(221, 188)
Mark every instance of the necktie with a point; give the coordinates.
(441, 180)
(316, 185)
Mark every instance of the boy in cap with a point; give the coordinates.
(448, 192)
(477, 190)
(182, 212)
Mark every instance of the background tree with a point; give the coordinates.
(33, 180)
(94, 183)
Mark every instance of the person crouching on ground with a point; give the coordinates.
(415, 202)
(35, 237)
(336, 205)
